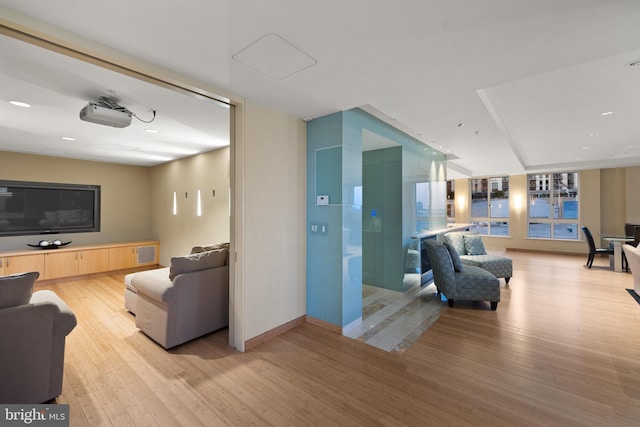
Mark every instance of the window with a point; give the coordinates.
(490, 205)
(553, 206)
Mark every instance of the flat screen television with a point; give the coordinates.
(28, 208)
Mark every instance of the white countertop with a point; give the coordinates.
(450, 227)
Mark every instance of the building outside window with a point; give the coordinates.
(490, 205)
(451, 200)
(553, 206)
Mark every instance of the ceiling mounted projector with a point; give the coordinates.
(106, 112)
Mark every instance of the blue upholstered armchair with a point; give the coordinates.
(460, 281)
(469, 246)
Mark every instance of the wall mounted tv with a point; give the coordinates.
(28, 208)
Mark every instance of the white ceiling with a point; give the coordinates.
(57, 87)
(505, 86)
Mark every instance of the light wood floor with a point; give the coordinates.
(563, 349)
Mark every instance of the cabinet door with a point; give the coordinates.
(2, 263)
(122, 257)
(24, 264)
(60, 264)
(93, 261)
(147, 254)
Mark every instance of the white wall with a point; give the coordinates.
(274, 175)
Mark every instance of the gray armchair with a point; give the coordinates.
(458, 281)
(32, 340)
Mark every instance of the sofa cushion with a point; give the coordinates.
(198, 261)
(455, 257)
(16, 289)
(212, 247)
(499, 266)
(473, 244)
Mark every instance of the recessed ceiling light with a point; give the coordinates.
(151, 130)
(594, 134)
(459, 125)
(635, 63)
(585, 148)
(606, 113)
(20, 104)
(67, 138)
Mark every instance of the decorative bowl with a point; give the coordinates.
(49, 244)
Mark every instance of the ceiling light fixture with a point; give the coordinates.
(20, 104)
(67, 138)
(151, 130)
(606, 113)
(594, 134)
(585, 148)
(635, 63)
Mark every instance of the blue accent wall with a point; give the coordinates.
(335, 231)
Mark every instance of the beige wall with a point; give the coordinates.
(613, 206)
(273, 176)
(590, 213)
(632, 194)
(179, 233)
(125, 208)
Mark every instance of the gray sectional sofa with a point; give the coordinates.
(469, 246)
(189, 299)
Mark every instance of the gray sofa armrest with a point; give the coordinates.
(64, 319)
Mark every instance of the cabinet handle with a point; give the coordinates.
(0, 262)
(7, 262)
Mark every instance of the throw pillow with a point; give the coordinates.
(456, 239)
(455, 257)
(195, 262)
(16, 289)
(473, 244)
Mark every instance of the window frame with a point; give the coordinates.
(489, 219)
(554, 195)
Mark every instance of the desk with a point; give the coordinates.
(616, 261)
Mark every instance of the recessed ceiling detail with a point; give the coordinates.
(274, 57)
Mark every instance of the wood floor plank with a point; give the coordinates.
(562, 349)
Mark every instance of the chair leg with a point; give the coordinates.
(590, 260)
(450, 302)
(506, 279)
(494, 305)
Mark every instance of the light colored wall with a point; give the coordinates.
(590, 203)
(125, 207)
(179, 233)
(274, 175)
(463, 200)
(613, 206)
(632, 195)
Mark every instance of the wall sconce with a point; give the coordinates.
(175, 203)
(517, 203)
(461, 203)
